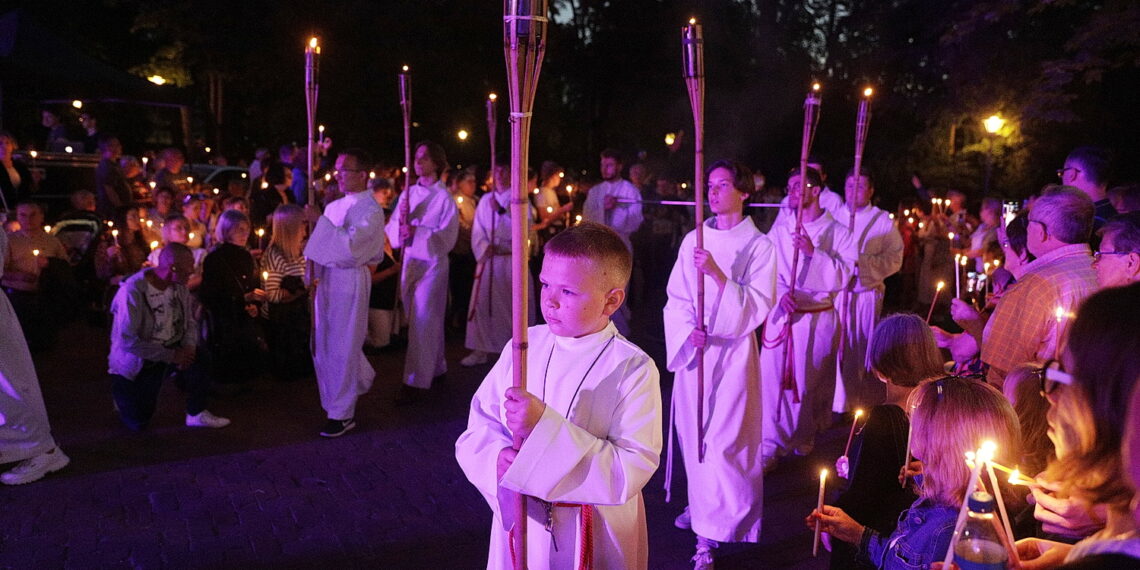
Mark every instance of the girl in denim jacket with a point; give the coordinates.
(950, 416)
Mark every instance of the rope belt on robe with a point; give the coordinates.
(585, 532)
(788, 382)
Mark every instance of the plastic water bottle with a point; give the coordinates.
(980, 547)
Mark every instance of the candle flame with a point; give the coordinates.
(858, 413)
(492, 97)
(459, 199)
(941, 285)
(1015, 477)
(950, 235)
(867, 92)
(550, 209)
(816, 86)
(1059, 312)
(578, 218)
(405, 68)
(989, 448)
(921, 225)
(569, 188)
(823, 474)
(36, 252)
(906, 212)
(34, 154)
(260, 232)
(153, 245)
(997, 263)
(964, 260)
(114, 233)
(191, 235)
(265, 276)
(47, 229)
(313, 42)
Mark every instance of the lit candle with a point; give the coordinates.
(36, 252)
(115, 236)
(190, 235)
(265, 279)
(459, 199)
(550, 209)
(153, 245)
(957, 276)
(921, 225)
(110, 224)
(578, 219)
(321, 130)
(819, 508)
(910, 220)
(984, 454)
(937, 289)
(260, 235)
(906, 212)
(851, 434)
(1004, 517)
(1059, 313)
(909, 436)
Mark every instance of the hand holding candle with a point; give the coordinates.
(843, 464)
(977, 460)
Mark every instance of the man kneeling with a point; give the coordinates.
(154, 335)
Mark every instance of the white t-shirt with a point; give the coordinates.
(167, 313)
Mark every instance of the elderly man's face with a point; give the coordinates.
(1115, 267)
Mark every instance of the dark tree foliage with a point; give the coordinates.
(1062, 72)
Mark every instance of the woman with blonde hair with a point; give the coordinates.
(949, 415)
(1086, 487)
(902, 354)
(287, 306)
(231, 294)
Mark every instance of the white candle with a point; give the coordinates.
(819, 508)
(909, 435)
(851, 434)
(1004, 517)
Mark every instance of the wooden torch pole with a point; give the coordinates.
(524, 44)
(312, 89)
(693, 60)
(811, 114)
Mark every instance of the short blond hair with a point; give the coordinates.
(950, 416)
(598, 244)
(902, 350)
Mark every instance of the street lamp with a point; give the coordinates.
(993, 125)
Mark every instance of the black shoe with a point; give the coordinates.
(337, 428)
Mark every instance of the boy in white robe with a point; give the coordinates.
(346, 239)
(426, 237)
(589, 419)
(878, 247)
(726, 490)
(489, 326)
(791, 425)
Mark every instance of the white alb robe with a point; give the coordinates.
(726, 492)
(347, 238)
(623, 218)
(490, 328)
(879, 249)
(423, 286)
(597, 443)
(789, 425)
(24, 429)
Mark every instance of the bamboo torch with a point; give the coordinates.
(862, 122)
(312, 89)
(811, 116)
(405, 80)
(492, 123)
(524, 44)
(693, 61)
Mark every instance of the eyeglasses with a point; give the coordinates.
(1053, 375)
(1097, 254)
(1061, 171)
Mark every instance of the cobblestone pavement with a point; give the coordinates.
(268, 492)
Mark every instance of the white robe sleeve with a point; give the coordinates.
(627, 218)
(477, 449)
(481, 237)
(828, 269)
(351, 245)
(392, 230)
(743, 304)
(562, 462)
(882, 253)
(680, 310)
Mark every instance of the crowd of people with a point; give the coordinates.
(774, 329)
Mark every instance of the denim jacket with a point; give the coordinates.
(921, 538)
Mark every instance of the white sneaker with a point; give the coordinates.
(476, 358)
(206, 419)
(684, 520)
(704, 558)
(35, 468)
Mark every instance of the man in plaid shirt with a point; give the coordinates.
(1025, 326)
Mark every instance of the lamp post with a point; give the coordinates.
(993, 125)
